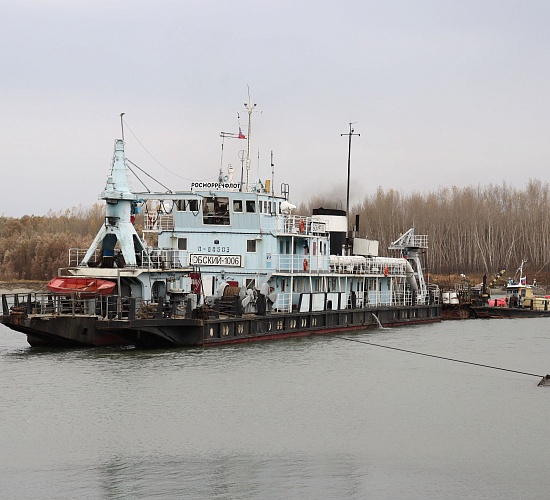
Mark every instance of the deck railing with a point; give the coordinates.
(302, 226)
(117, 307)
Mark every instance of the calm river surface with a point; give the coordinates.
(316, 418)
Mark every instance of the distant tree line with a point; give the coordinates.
(34, 247)
(471, 230)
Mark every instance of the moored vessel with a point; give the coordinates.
(223, 262)
(519, 301)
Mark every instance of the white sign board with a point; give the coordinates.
(197, 259)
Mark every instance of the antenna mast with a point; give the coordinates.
(272, 176)
(349, 134)
(249, 109)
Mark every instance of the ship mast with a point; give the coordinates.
(349, 134)
(249, 109)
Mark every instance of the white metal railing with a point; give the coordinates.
(301, 225)
(157, 259)
(340, 264)
(300, 263)
(164, 259)
(158, 222)
(368, 265)
(77, 254)
(421, 240)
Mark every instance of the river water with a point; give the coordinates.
(319, 418)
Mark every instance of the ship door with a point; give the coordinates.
(208, 284)
(158, 291)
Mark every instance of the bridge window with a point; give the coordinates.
(238, 206)
(215, 210)
(187, 205)
(250, 206)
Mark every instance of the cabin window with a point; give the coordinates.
(281, 248)
(250, 206)
(287, 247)
(237, 206)
(182, 243)
(251, 246)
(215, 210)
(250, 283)
(182, 205)
(187, 205)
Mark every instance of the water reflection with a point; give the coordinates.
(229, 477)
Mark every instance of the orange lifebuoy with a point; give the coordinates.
(306, 265)
(302, 226)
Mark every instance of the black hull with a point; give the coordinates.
(458, 311)
(62, 331)
(486, 312)
(89, 331)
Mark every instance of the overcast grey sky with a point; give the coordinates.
(442, 92)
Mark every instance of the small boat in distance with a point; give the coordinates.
(520, 301)
(82, 286)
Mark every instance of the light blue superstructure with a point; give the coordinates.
(219, 239)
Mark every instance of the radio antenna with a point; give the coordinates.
(272, 176)
(249, 109)
(349, 134)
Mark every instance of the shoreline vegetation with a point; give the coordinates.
(472, 231)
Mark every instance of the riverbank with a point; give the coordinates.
(10, 287)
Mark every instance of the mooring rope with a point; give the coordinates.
(440, 357)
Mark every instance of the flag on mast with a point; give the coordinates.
(241, 135)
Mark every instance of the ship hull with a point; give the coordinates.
(458, 311)
(507, 312)
(90, 331)
(62, 331)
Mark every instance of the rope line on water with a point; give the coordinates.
(440, 357)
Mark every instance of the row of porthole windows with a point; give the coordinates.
(292, 323)
(225, 330)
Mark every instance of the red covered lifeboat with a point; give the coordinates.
(83, 286)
